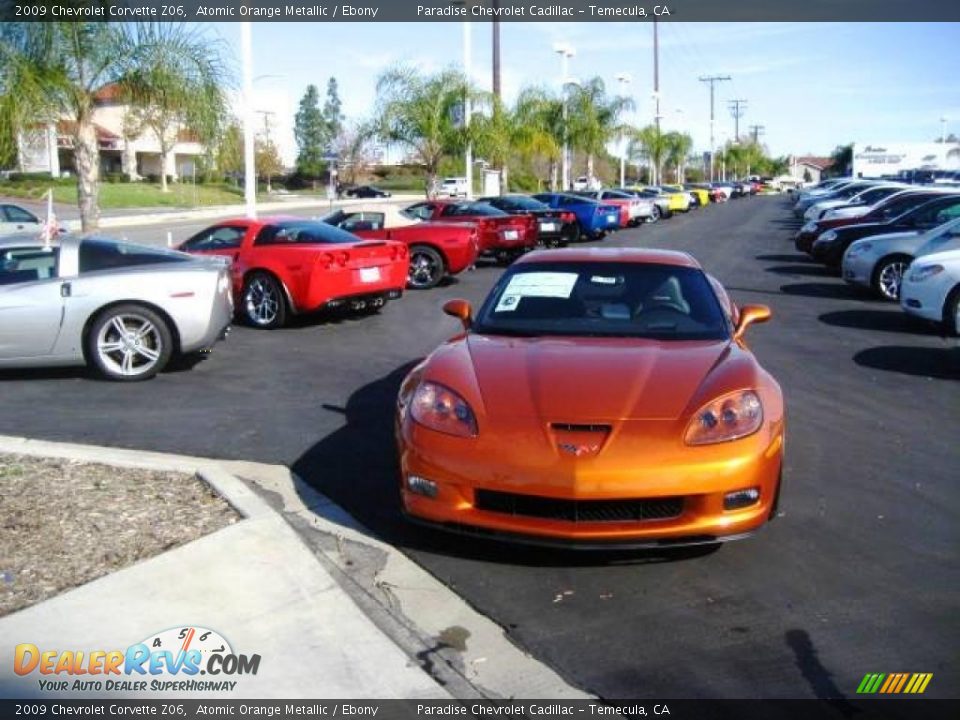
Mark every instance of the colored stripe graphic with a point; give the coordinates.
(894, 683)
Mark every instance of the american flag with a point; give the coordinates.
(50, 228)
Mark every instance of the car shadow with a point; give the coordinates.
(807, 269)
(883, 320)
(53, 373)
(835, 291)
(795, 258)
(356, 466)
(938, 363)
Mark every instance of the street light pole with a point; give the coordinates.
(467, 110)
(943, 130)
(566, 52)
(623, 79)
(249, 164)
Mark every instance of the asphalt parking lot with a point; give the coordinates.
(858, 575)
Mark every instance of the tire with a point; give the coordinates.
(888, 275)
(569, 234)
(951, 312)
(262, 304)
(655, 217)
(129, 343)
(427, 267)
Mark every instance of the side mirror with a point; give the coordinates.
(750, 314)
(460, 309)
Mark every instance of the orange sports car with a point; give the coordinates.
(599, 398)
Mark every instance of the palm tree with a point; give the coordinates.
(649, 142)
(594, 118)
(523, 131)
(175, 83)
(542, 114)
(678, 146)
(418, 111)
(52, 71)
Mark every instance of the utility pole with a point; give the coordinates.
(713, 80)
(737, 108)
(266, 122)
(496, 51)
(656, 91)
(467, 110)
(757, 131)
(249, 164)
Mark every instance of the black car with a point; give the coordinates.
(884, 211)
(831, 245)
(366, 191)
(553, 230)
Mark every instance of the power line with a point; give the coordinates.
(757, 131)
(737, 109)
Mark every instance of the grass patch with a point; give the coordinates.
(129, 195)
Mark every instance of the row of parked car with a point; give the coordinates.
(127, 310)
(900, 240)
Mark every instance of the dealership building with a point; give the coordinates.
(877, 159)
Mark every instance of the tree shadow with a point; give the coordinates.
(882, 320)
(834, 291)
(817, 676)
(938, 363)
(357, 467)
(807, 269)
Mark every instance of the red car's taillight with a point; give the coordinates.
(343, 257)
(326, 259)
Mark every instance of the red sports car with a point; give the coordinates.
(289, 265)
(502, 235)
(436, 248)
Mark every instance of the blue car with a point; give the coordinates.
(594, 218)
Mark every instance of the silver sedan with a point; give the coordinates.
(123, 309)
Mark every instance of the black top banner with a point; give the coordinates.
(482, 10)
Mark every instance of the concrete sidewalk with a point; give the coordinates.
(332, 612)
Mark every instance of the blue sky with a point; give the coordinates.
(812, 85)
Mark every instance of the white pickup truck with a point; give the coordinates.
(452, 187)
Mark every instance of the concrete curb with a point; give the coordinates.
(466, 652)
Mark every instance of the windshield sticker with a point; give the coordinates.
(604, 280)
(535, 284)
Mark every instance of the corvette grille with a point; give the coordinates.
(578, 510)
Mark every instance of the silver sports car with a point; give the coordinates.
(123, 309)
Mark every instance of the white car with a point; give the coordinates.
(878, 262)
(14, 220)
(931, 289)
(585, 182)
(453, 187)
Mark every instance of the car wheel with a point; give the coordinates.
(129, 342)
(655, 215)
(888, 275)
(569, 234)
(426, 267)
(951, 312)
(262, 304)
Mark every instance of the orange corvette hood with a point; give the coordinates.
(581, 380)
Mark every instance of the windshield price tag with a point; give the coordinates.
(535, 284)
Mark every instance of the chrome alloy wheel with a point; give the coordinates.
(424, 270)
(888, 281)
(130, 345)
(261, 301)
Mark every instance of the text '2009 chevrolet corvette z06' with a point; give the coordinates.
(288, 265)
(600, 398)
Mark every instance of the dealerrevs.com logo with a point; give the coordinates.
(171, 660)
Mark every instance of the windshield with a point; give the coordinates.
(603, 299)
(518, 202)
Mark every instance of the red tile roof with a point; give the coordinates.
(822, 163)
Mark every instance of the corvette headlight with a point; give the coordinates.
(440, 408)
(809, 227)
(731, 416)
(858, 249)
(925, 272)
(828, 236)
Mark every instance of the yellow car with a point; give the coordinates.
(702, 195)
(679, 199)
